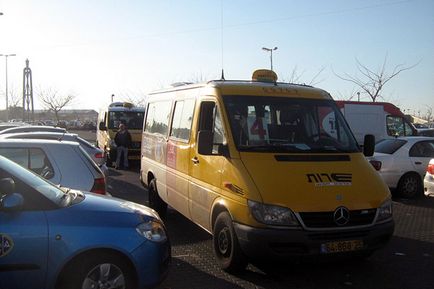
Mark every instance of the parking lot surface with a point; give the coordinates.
(406, 262)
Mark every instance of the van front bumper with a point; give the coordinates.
(259, 243)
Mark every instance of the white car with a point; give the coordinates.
(94, 152)
(428, 182)
(402, 163)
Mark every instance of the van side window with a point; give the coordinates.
(219, 135)
(397, 126)
(182, 119)
(210, 119)
(157, 117)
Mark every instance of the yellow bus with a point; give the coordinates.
(270, 169)
(109, 120)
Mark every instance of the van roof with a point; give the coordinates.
(248, 87)
(122, 108)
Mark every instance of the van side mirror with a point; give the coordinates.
(101, 126)
(369, 145)
(205, 142)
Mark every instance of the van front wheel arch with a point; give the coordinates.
(226, 246)
(154, 200)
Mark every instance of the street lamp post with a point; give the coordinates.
(6, 61)
(271, 54)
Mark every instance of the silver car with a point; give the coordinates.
(95, 153)
(61, 162)
(30, 128)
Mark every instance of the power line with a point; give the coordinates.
(221, 27)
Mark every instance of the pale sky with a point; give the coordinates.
(95, 48)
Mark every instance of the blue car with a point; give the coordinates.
(58, 238)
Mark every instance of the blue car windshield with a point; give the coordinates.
(288, 124)
(39, 184)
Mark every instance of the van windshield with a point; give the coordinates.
(132, 119)
(283, 124)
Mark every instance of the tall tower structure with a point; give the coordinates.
(27, 93)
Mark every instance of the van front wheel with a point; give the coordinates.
(154, 200)
(226, 246)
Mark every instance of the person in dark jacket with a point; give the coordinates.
(123, 142)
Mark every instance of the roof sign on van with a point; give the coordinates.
(264, 75)
(121, 104)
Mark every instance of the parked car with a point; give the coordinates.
(30, 128)
(94, 152)
(7, 125)
(428, 182)
(426, 132)
(61, 162)
(402, 163)
(60, 238)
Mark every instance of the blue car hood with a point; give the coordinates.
(109, 207)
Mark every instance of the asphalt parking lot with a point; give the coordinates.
(407, 261)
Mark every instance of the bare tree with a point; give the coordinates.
(53, 101)
(14, 98)
(137, 100)
(295, 77)
(372, 82)
(429, 114)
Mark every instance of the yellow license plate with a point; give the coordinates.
(341, 246)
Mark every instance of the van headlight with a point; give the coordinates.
(153, 231)
(385, 211)
(272, 215)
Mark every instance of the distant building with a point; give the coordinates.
(42, 115)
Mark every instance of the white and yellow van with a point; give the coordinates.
(109, 120)
(269, 169)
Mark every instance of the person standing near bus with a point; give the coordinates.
(123, 142)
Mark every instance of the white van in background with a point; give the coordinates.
(381, 119)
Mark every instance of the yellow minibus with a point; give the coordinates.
(109, 119)
(270, 169)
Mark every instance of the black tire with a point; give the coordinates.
(98, 270)
(410, 186)
(226, 247)
(154, 200)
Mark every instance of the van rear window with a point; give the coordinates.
(389, 146)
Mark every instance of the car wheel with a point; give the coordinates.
(226, 246)
(410, 186)
(104, 270)
(154, 200)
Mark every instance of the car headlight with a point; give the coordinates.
(385, 211)
(272, 215)
(153, 231)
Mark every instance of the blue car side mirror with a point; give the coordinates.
(12, 202)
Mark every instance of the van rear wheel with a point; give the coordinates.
(154, 200)
(226, 246)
